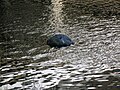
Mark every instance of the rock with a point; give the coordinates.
(59, 40)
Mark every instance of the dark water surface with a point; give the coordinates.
(27, 63)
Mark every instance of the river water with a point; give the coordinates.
(27, 63)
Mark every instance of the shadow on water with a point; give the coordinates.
(91, 64)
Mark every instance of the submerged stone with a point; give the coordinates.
(59, 40)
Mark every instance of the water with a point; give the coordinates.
(28, 63)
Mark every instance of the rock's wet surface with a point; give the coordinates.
(93, 63)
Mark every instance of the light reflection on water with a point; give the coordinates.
(27, 62)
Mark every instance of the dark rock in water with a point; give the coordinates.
(59, 40)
